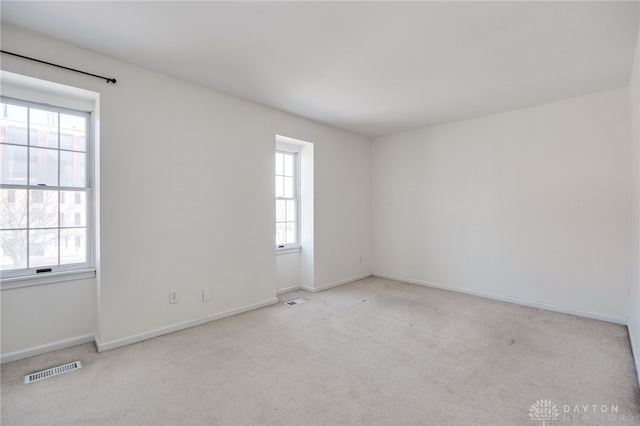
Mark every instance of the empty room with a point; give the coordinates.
(385, 213)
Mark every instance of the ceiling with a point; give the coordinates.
(374, 68)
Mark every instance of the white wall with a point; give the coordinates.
(634, 140)
(187, 197)
(531, 204)
(39, 319)
(288, 271)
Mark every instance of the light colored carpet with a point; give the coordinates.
(370, 352)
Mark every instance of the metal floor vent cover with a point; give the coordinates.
(295, 302)
(55, 371)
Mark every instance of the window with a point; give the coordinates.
(45, 185)
(287, 200)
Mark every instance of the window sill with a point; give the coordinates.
(52, 278)
(288, 250)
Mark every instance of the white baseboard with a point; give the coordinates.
(335, 284)
(524, 302)
(288, 289)
(105, 346)
(48, 347)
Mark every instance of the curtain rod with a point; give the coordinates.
(109, 80)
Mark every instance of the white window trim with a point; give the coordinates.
(35, 91)
(50, 278)
(289, 250)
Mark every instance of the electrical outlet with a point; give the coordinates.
(173, 296)
(206, 294)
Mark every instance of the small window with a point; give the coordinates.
(287, 200)
(44, 167)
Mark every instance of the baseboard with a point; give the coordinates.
(335, 284)
(105, 346)
(288, 289)
(514, 300)
(43, 349)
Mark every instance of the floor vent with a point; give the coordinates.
(295, 302)
(55, 371)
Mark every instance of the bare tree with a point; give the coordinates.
(45, 212)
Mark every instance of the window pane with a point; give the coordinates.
(13, 208)
(44, 166)
(73, 245)
(280, 211)
(291, 211)
(14, 164)
(74, 129)
(44, 128)
(43, 248)
(52, 139)
(66, 140)
(13, 124)
(279, 186)
(288, 165)
(73, 213)
(14, 112)
(281, 233)
(43, 209)
(279, 164)
(291, 233)
(13, 250)
(72, 169)
(288, 187)
(17, 134)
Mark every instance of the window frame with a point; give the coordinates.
(59, 272)
(295, 246)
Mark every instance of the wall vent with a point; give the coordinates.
(55, 371)
(295, 302)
